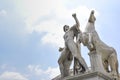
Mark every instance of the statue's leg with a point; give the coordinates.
(77, 67)
(106, 65)
(75, 52)
(83, 64)
(74, 66)
(90, 40)
(113, 64)
(67, 64)
(61, 60)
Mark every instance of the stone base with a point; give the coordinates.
(89, 76)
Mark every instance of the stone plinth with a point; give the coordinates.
(96, 62)
(89, 76)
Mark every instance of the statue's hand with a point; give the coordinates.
(60, 49)
(90, 44)
(74, 14)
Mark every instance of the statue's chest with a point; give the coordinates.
(68, 35)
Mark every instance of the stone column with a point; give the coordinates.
(96, 62)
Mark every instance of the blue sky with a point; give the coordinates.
(31, 33)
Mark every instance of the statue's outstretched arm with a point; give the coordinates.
(76, 20)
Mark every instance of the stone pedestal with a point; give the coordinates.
(89, 76)
(96, 62)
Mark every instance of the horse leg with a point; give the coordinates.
(113, 66)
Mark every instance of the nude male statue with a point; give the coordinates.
(70, 45)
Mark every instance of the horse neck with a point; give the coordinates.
(96, 39)
(90, 27)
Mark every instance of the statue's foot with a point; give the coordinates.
(87, 71)
(91, 45)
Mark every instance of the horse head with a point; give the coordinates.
(92, 18)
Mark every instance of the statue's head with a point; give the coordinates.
(65, 28)
(92, 17)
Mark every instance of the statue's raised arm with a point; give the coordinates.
(77, 25)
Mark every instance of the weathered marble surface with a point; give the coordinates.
(103, 58)
(105, 55)
(90, 76)
(71, 48)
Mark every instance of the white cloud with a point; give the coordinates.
(48, 73)
(53, 29)
(7, 67)
(54, 32)
(12, 76)
(33, 10)
(52, 72)
(3, 12)
(4, 66)
(35, 69)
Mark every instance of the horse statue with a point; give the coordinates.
(108, 54)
